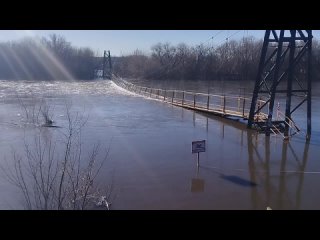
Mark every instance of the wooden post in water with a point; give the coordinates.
(194, 100)
(243, 105)
(224, 103)
(207, 125)
(208, 101)
(182, 98)
(165, 93)
(172, 96)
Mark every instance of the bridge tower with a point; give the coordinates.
(284, 69)
(107, 65)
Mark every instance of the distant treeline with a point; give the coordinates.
(45, 59)
(232, 60)
(54, 58)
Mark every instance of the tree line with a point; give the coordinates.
(51, 58)
(232, 60)
(54, 58)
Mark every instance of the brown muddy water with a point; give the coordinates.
(150, 161)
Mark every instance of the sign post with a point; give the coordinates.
(197, 147)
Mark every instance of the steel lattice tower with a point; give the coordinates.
(285, 59)
(107, 66)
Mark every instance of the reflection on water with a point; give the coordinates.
(276, 169)
(197, 183)
(278, 197)
(151, 155)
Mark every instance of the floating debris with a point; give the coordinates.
(103, 202)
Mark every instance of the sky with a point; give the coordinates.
(123, 42)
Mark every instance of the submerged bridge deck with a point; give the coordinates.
(221, 105)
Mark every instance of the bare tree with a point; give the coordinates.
(64, 179)
(47, 113)
(234, 60)
(36, 111)
(31, 108)
(30, 59)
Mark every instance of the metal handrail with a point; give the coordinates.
(231, 105)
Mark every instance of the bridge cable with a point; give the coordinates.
(211, 38)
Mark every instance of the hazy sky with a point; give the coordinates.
(122, 42)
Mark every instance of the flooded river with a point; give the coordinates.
(150, 162)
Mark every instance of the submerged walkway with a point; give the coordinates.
(222, 105)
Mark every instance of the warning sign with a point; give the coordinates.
(199, 146)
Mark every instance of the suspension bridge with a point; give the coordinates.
(285, 58)
(220, 105)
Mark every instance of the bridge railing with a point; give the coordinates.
(220, 104)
